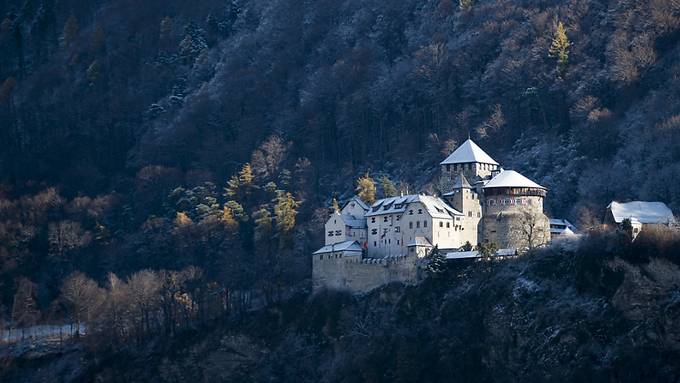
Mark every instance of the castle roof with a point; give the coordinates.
(359, 202)
(420, 241)
(511, 179)
(468, 152)
(461, 182)
(643, 211)
(435, 206)
(347, 246)
(352, 221)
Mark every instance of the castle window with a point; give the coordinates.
(330, 233)
(518, 201)
(410, 225)
(491, 202)
(417, 224)
(479, 215)
(375, 244)
(374, 231)
(385, 219)
(389, 241)
(372, 219)
(441, 224)
(448, 225)
(398, 217)
(420, 211)
(397, 229)
(338, 232)
(321, 257)
(397, 241)
(469, 213)
(448, 167)
(410, 212)
(457, 218)
(424, 223)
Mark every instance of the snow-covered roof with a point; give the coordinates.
(475, 254)
(468, 152)
(563, 226)
(643, 211)
(511, 179)
(352, 221)
(347, 246)
(359, 202)
(435, 206)
(419, 241)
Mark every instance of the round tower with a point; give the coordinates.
(513, 212)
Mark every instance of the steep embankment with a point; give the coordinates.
(595, 314)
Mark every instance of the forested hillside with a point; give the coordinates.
(194, 148)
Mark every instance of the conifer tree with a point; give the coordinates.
(366, 189)
(559, 48)
(285, 212)
(231, 190)
(263, 224)
(335, 206)
(436, 263)
(388, 187)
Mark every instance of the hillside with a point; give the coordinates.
(593, 313)
(173, 161)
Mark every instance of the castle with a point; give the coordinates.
(368, 246)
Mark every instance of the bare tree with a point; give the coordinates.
(528, 228)
(144, 289)
(82, 297)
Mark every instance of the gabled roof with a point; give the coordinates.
(461, 182)
(468, 152)
(511, 179)
(420, 241)
(347, 246)
(435, 206)
(643, 211)
(359, 202)
(353, 222)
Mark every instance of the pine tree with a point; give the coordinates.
(335, 206)
(245, 176)
(285, 213)
(559, 48)
(366, 189)
(70, 30)
(436, 263)
(388, 187)
(263, 224)
(233, 186)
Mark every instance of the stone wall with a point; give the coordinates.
(506, 225)
(357, 275)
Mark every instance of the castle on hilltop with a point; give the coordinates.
(368, 246)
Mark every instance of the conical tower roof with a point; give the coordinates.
(469, 152)
(461, 182)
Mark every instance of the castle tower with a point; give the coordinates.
(469, 160)
(465, 198)
(513, 212)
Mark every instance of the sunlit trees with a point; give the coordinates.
(559, 48)
(388, 187)
(82, 298)
(285, 211)
(366, 189)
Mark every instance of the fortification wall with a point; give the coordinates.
(509, 229)
(357, 275)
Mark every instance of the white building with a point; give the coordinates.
(412, 223)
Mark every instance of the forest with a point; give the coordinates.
(167, 164)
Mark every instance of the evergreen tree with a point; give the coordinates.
(263, 224)
(559, 48)
(285, 213)
(388, 187)
(335, 206)
(366, 189)
(436, 263)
